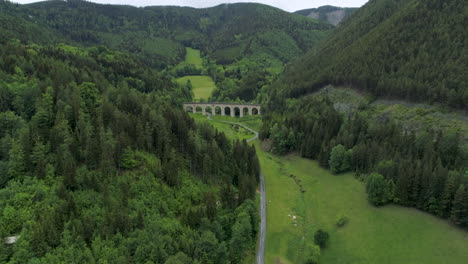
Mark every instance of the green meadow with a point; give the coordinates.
(192, 56)
(390, 234)
(384, 235)
(203, 86)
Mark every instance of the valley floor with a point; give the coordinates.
(390, 234)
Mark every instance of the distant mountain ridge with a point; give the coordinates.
(406, 49)
(329, 14)
(158, 34)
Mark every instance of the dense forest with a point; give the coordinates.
(245, 45)
(158, 34)
(99, 164)
(406, 49)
(415, 50)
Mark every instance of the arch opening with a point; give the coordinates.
(254, 111)
(217, 110)
(189, 109)
(237, 112)
(209, 110)
(245, 111)
(227, 111)
(198, 109)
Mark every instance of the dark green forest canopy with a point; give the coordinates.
(158, 34)
(99, 164)
(415, 50)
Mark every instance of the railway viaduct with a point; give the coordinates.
(234, 109)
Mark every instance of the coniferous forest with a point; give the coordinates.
(414, 50)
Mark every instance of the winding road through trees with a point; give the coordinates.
(262, 236)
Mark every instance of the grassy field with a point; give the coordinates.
(203, 86)
(193, 57)
(386, 235)
(390, 234)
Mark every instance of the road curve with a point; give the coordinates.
(262, 236)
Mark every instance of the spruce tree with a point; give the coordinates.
(458, 213)
(16, 163)
(448, 195)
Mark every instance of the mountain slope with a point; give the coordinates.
(406, 49)
(330, 14)
(98, 161)
(413, 50)
(99, 164)
(158, 34)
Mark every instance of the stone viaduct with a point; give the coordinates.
(223, 108)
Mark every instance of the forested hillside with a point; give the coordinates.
(415, 50)
(98, 163)
(158, 34)
(244, 46)
(330, 14)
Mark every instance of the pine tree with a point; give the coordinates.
(458, 213)
(448, 195)
(403, 185)
(16, 162)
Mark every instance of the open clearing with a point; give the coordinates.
(192, 56)
(390, 234)
(203, 86)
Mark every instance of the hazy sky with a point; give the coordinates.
(288, 5)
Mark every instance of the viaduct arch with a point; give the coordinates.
(223, 108)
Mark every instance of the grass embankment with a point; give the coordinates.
(202, 86)
(390, 234)
(231, 131)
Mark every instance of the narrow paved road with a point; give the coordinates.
(262, 237)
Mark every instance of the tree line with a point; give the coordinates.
(426, 169)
